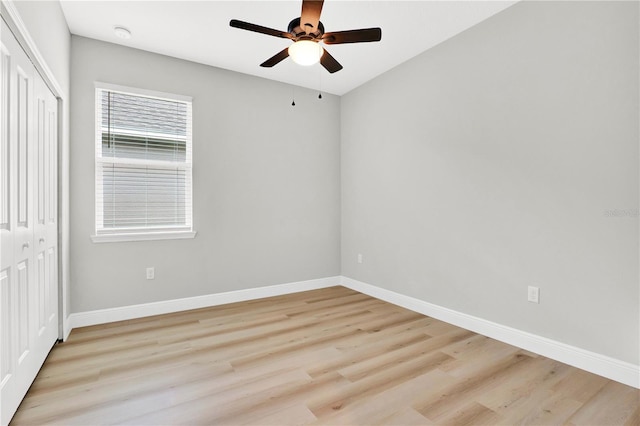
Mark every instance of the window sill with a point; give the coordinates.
(147, 236)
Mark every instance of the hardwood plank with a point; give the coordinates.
(472, 413)
(406, 416)
(376, 383)
(462, 390)
(383, 407)
(614, 404)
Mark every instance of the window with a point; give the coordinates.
(143, 165)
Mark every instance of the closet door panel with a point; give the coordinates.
(7, 324)
(5, 163)
(28, 223)
(22, 107)
(8, 282)
(45, 228)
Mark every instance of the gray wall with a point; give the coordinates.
(47, 26)
(266, 188)
(490, 162)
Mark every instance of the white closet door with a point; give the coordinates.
(45, 236)
(28, 264)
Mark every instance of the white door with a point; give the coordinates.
(45, 235)
(28, 228)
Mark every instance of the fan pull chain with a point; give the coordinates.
(293, 96)
(319, 82)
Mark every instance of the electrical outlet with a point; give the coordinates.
(533, 294)
(151, 273)
(359, 257)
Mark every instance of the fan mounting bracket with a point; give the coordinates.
(299, 33)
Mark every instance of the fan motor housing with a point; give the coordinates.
(296, 30)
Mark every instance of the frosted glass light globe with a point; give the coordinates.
(305, 52)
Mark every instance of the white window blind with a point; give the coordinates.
(143, 162)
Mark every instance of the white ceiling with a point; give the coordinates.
(199, 31)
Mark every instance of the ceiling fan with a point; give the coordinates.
(307, 32)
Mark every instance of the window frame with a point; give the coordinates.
(140, 234)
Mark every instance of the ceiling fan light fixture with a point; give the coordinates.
(306, 52)
(307, 32)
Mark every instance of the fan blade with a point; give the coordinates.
(259, 29)
(353, 36)
(280, 56)
(310, 15)
(329, 62)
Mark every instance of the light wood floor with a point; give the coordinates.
(330, 356)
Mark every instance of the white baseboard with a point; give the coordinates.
(596, 363)
(103, 316)
(602, 365)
